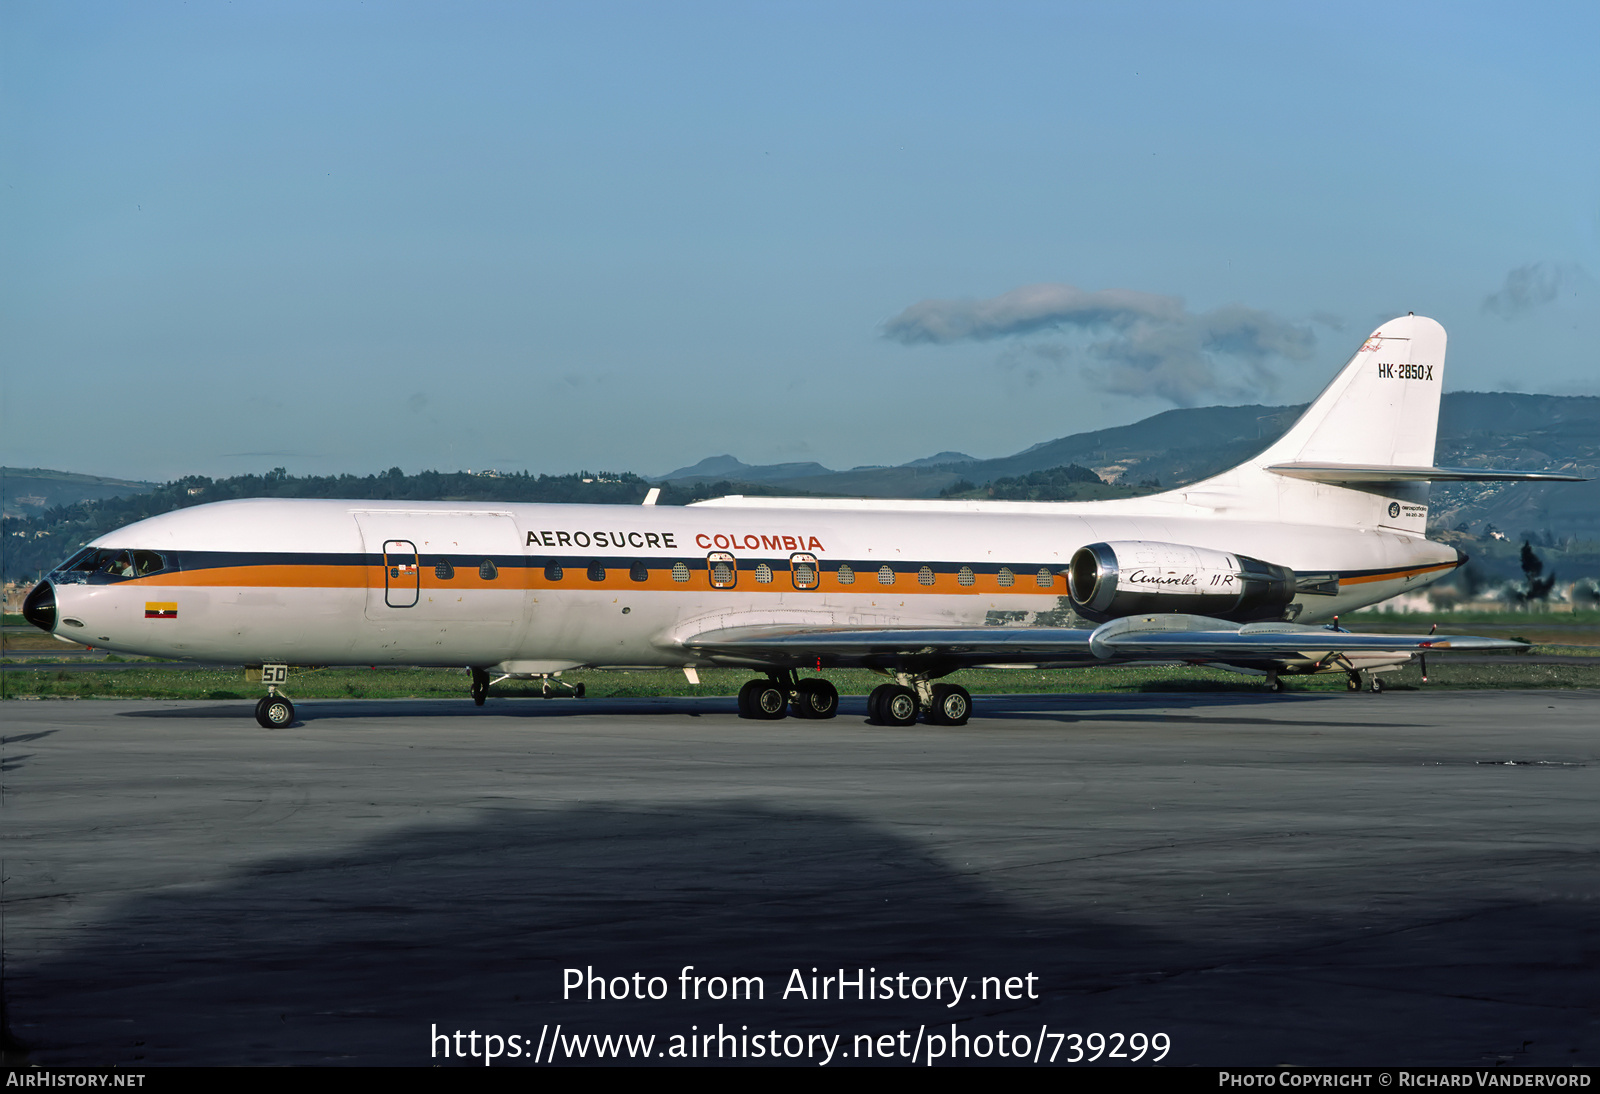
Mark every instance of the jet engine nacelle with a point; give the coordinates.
(1111, 580)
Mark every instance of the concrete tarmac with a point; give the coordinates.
(1407, 878)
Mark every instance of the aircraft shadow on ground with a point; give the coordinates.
(1064, 706)
(355, 956)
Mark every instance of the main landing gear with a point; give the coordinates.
(274, 711)
(898, 704)
(785, 693)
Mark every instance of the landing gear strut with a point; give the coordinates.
(480, 686)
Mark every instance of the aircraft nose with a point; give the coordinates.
(40, 607)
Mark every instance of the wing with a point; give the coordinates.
(1140, 638)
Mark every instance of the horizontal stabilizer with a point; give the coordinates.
(1366, 472)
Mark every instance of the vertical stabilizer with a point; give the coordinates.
(1381, 410)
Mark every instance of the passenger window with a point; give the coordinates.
(964, 576)
(680, 571)
(885, 576)
(488, 570)
(1044, 578)
(763, 574)
(597, 570)
(722, 569)
(847, 576)
(552, 571)
(1005, 577)
(803, 569)
(444, 571)
(639, 571)
(925, 576)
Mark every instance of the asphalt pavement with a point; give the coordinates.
(1305, 879)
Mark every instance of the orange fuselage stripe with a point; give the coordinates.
(660, 580)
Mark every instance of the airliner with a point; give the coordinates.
(1248, 570)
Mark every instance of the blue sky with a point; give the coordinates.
(340, 237)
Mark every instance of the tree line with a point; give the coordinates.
(32, 545)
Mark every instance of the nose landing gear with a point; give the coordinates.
(274, 711)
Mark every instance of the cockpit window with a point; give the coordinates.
(104, 563)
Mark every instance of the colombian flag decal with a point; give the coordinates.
(156, 609)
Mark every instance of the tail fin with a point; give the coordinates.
(1382, 408)
(1380, 411)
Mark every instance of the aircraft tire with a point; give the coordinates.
(275, 712)
(747, 704)
(1353, 682)
(898, 707)
(952, 705)
(815, 699)
(875, 704)
(1376, 686)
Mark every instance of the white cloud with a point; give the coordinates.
(1149, 344)
(1527, 287)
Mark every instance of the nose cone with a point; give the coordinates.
(40, 607)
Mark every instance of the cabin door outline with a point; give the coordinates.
(402, 573)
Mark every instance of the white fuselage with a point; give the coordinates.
(360, 582)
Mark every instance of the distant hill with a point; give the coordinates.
(28, 491)
(714, 468)
(1181, 446)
